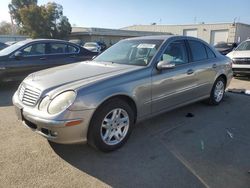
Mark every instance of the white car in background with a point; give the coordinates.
(241, 58)
(92, 46)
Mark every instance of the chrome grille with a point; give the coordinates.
(29, 95)
(243, 61)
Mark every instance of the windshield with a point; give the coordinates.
(131, 52)
(8, 50)
(90, 45)
(244, 46)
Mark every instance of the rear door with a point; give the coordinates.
(204, 63)
(63, 53)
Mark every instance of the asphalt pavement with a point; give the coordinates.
(194, 146)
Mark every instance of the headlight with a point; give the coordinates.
(43, 106)
(61, 102)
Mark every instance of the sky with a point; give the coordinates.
(121, 13)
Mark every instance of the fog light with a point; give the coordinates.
(53, 133)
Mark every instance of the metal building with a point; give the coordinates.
(8, 38)
(108, 36)
(211, 33)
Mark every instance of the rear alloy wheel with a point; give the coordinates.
(111, 125)
(217, 92)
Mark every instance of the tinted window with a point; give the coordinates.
(210, 53)
(34, 49)
(198, 50)
(72, 49)
(176, 52)
(58, 48)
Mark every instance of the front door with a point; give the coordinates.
(32, 58)
(173, 87)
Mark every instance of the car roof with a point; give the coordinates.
(43, 40)
(153, 37)
(163, 37)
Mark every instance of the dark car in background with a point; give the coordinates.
(25, 57)
(224, 48)
(2, 45)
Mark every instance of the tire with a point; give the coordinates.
(111, 125)
(217, 92)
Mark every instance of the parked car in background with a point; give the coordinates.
(25, 57)
(10, 42)
(3, 45)
(224, 48)
(99, 101)
(241, 58)
(92, 46)
(77, 41)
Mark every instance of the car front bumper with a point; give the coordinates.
(55, 128)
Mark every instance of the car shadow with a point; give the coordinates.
(162, 151)
(122, 168)
(142, 162)
(7, 90)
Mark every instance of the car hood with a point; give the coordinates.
(239, 54)
(75, 75)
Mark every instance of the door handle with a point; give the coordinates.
(43, 58)
(190, 71)
(214, 66)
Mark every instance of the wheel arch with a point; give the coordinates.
(222, 75)
(123, 97)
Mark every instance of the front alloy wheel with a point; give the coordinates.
(111, 125)
(115, 126)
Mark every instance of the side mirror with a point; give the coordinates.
(18, 55)
(165, 65)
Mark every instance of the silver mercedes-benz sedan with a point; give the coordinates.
(100, 101)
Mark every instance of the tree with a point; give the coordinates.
(5, 28)
(45, 21)
(16, 5)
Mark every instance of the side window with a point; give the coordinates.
(58, 48)
(176, 52)
(34, 49)
(72, 49)
(198, 50)
(210, 53)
